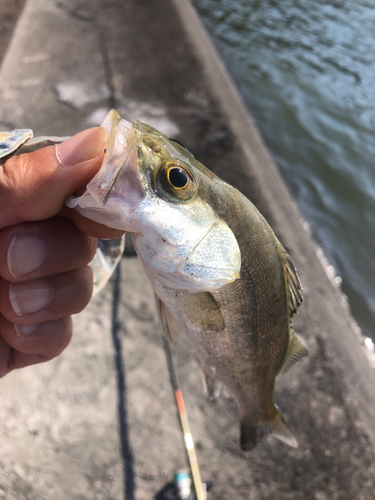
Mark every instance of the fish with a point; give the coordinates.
(219, 274)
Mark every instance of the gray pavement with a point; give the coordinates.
(99, 422)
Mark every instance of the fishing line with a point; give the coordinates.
(188, 438)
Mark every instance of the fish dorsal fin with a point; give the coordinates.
(169, 326)
(296, 351)
(295, 294)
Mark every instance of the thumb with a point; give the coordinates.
(34, 186)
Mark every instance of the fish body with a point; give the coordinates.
(219, 274)
(242, 331)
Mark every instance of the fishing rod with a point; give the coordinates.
(189, 443)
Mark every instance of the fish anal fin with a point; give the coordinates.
(296, 351)
(170, 328)
(252, 433)
(211, 385)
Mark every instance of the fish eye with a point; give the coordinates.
(177, 177)
(174, 181)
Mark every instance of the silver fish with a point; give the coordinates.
(219, 273)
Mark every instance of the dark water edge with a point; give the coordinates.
(9, 12)
(305, 70)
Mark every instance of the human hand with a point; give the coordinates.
(45, 248)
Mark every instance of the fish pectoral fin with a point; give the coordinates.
(170, 328)
(203, 310)
(296, 351)
(252, 433)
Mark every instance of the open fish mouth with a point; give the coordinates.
(117, 185)
(181, 240)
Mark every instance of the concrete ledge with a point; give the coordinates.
(99, 422)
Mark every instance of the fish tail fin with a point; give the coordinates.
(252, 433)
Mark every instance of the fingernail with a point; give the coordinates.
(25, 254)
(81, 147)
(28, 298)
(25, 330)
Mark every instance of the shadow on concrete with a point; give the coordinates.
(126, 452)
(164, 493)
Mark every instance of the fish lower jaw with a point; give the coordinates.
(181, 281)
(174, 266)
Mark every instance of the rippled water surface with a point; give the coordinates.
(306, 70)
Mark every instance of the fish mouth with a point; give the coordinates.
(116, 190)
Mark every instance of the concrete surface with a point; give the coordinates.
(99, 422)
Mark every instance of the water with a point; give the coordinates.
(306, 70)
